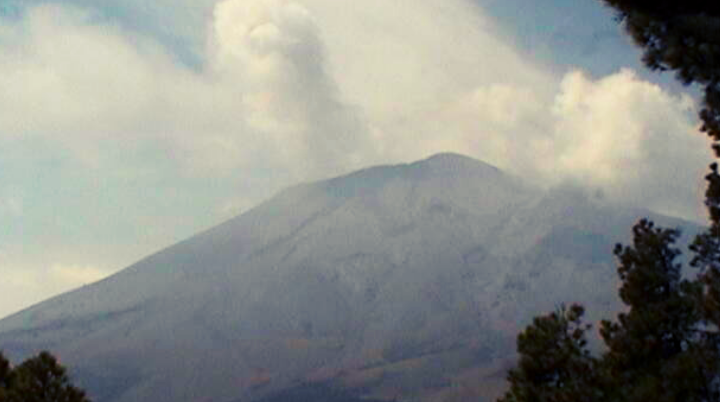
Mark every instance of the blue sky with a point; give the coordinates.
(128, 125)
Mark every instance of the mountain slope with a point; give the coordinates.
(394, 281)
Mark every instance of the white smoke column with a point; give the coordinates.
(272, 52)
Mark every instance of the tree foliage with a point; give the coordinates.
(665, 346)
(38, 379)
(555, 364)
(660, 349)
(652, 347)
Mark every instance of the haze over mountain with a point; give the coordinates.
(405, 281)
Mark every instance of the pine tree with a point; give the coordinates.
(657, 336)
(555, 364)
(38, 379)
(5, 373)
(684, 37)
(656, 350)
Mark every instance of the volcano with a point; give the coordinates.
(391, 283)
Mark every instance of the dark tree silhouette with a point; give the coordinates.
(38, 379)
(555, 364)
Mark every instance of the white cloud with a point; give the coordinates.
(630, 138)
(627, 137)
(85, 86)
(406, 64)
(22, 285)
(70, 276)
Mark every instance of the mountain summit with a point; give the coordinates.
(394, 282)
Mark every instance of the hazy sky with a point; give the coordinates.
(127, 125)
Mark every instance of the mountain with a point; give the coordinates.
(394, 282)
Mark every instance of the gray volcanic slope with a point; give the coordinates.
(407, 282)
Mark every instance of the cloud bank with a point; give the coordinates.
(293, 90)
(263, 99)
(316, 88)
